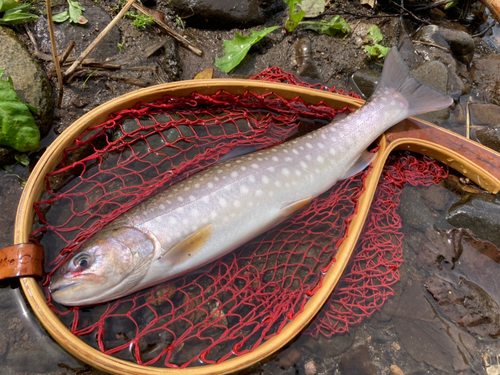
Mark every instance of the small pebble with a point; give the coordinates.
(395, 370)
(310, 368)
(396, 346)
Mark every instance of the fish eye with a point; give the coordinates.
(82, 261)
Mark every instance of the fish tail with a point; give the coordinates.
(421, 98)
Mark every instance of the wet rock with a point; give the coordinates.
(463, 280)
(485, 72)
(83, 35)
(364, 82)
(459, 42)
(357, 362)
(226, 13)
(334, 346)
(490, 137)
(435, 74)
(30, 81)
(310, 368)
(306, 66)
(413, 210)
(484, 114)
(480, 213)
(288, 358)
(429, 339)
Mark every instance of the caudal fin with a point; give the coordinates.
(421, 98)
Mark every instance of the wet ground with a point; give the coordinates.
(412, 331)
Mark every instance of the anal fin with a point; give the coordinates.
(294, 206)
(188, 246)
(364, 160)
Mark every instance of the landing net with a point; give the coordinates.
(248, 296)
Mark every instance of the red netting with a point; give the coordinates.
(249, 295)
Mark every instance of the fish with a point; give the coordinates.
(214, 211)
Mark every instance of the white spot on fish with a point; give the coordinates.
(260, 159)
(333, 151)
(303, 164)
(285, 171)
(321, 145)
(251, 178)
(288, 158)
(213, 215)
(295, 151)
(308, 145)
(162, 206)
(271, 169)
(275, 158)
(320, 159)
(243, 168)
(234, 174)
(277, 183)
(172, 220)
(192, 198)
(205, 199)
(323, 135)
(180, 199)
(237, 204)
(383, 98)
(197, 185)
(195, 212)
(216, 179)
(265, 179)
(259, 193)
(222, 202)
(243, 189)
(210, 185)
(255, 166)
(308, 157)
(297, 172)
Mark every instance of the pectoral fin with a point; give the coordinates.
(188, 246)
(364, 160)
(292, 207)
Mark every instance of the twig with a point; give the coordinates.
(173, 33)
(100, 37)
(431, 44)
(418, 19)
(467, 120)
(483, 33)
(67, 52)
(32, 38)
(431, 6)
(54, 53)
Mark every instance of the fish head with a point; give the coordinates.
(107, 266)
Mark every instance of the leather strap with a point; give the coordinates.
(24, 259)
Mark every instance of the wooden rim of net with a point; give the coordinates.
(476, 162)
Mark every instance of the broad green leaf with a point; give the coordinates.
(75, 12)
(17, 125)
(20, 9)
(8, 4)
(60, 17)
(377, 50)
(331, 27)
(237, 48)
(293, 18)
(313, 8)
(374, 34)
(17, 18)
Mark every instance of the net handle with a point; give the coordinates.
(53, 154)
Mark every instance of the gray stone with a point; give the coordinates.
(357, 361)
(490, 137)
(30, 81)
(83, 35)
(305, 63)
(484, 114)
(226, 13)
(435, 74)
(480, 213)
(458, 42)
(364, 82)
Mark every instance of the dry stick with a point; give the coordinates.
(418, 19)
(54, 53)
(432, 44)
(100, 37)
(173, 33)
(467, 120)
(67, 52)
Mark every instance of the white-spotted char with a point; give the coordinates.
(213, 212)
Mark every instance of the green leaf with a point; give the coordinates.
(23, 159)
(8, 4)
(75, 12)
(374, 34)
(293, 18)
(17, 18)
(331, 27)
(237, 48)
(17, 125)
(451, 4)
(60, 17)
(20, 9)
(377, 50)
(313, 8)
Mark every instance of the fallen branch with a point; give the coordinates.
(67, 52)
(100, 37)
(181, 39)
(54, 53)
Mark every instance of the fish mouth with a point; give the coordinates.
(67, 289)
